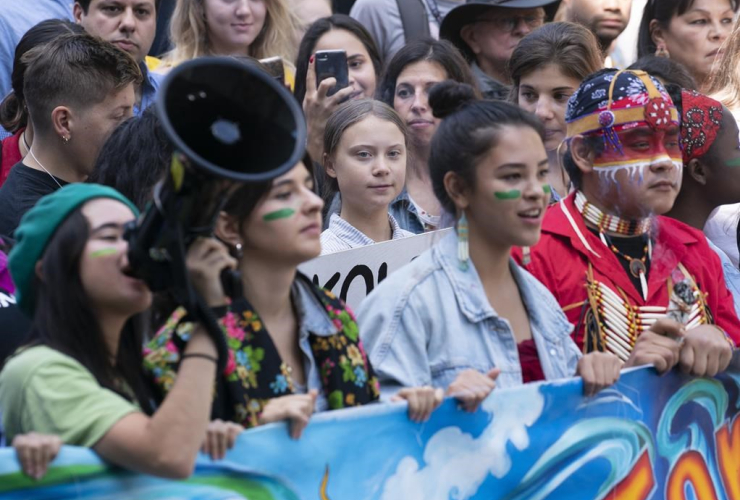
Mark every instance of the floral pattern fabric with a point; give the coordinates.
(255, 372)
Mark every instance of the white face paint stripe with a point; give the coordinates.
(635, 168)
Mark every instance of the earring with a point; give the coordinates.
(238, 248)
(463, 253)
(65, 139)
(662, 51)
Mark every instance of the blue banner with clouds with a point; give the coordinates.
(649, 437)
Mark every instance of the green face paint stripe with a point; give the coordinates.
(103, 252)
(547, 189)
(280, 214)
(508, 195)
(733, 163)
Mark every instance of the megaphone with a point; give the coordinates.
(230, 123)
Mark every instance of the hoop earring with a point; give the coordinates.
(463, 248)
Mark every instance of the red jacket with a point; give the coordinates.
(561, 260)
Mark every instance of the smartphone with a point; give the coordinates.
(275, 67)
(332, 64)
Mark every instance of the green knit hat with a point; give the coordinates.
(38, 226)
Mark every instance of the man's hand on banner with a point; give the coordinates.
(705, 351)
(659, 346)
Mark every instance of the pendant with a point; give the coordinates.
(637, 268)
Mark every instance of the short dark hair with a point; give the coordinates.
(662, 11)
(134, 158)
(13, 112)
(441, 52)
(667, 70)
(85, 4)
(319, 29)
(469, 129)
(571, 47)
(77, 70)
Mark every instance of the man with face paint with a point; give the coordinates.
(644, 287)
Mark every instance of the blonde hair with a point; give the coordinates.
(724, 84)
(189, 33)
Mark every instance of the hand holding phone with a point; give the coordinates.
(332, 64)
(275, 66)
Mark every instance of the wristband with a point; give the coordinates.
(727, 337)
(199, 355)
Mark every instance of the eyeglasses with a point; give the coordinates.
(509, 24)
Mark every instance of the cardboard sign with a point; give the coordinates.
(353, 274)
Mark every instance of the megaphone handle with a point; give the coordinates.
(231, 282)
(209, 321)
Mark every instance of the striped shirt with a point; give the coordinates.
(341, 235)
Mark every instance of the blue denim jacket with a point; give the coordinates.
(405, 213)
(429, 321)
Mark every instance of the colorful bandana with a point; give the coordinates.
(700, 124)
(615, 101)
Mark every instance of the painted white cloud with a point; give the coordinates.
(456, 464)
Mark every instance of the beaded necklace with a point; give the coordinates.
(611, 223)
(617, 225)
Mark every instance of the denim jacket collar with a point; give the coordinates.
(541, 306)
(312, 315)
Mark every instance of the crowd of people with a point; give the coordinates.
(594, 203)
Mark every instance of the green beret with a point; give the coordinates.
(37, 227)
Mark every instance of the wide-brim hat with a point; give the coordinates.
(471, 10)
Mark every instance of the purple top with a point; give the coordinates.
(6, 282)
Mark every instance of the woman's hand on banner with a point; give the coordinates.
(220, 437)
(471, 387)
(598, 371)
(35, 452)
(297, 408)
(422, 401)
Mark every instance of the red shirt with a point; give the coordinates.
(529, 359)
(11, 154)
(561, 259)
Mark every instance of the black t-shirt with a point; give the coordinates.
(15, 326)
(22, 189)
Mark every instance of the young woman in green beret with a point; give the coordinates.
(80, 376)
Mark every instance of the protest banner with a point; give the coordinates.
(648, 437)
(353, 274)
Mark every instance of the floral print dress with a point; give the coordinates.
(255, 372)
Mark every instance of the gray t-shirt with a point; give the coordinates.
(383, 20)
